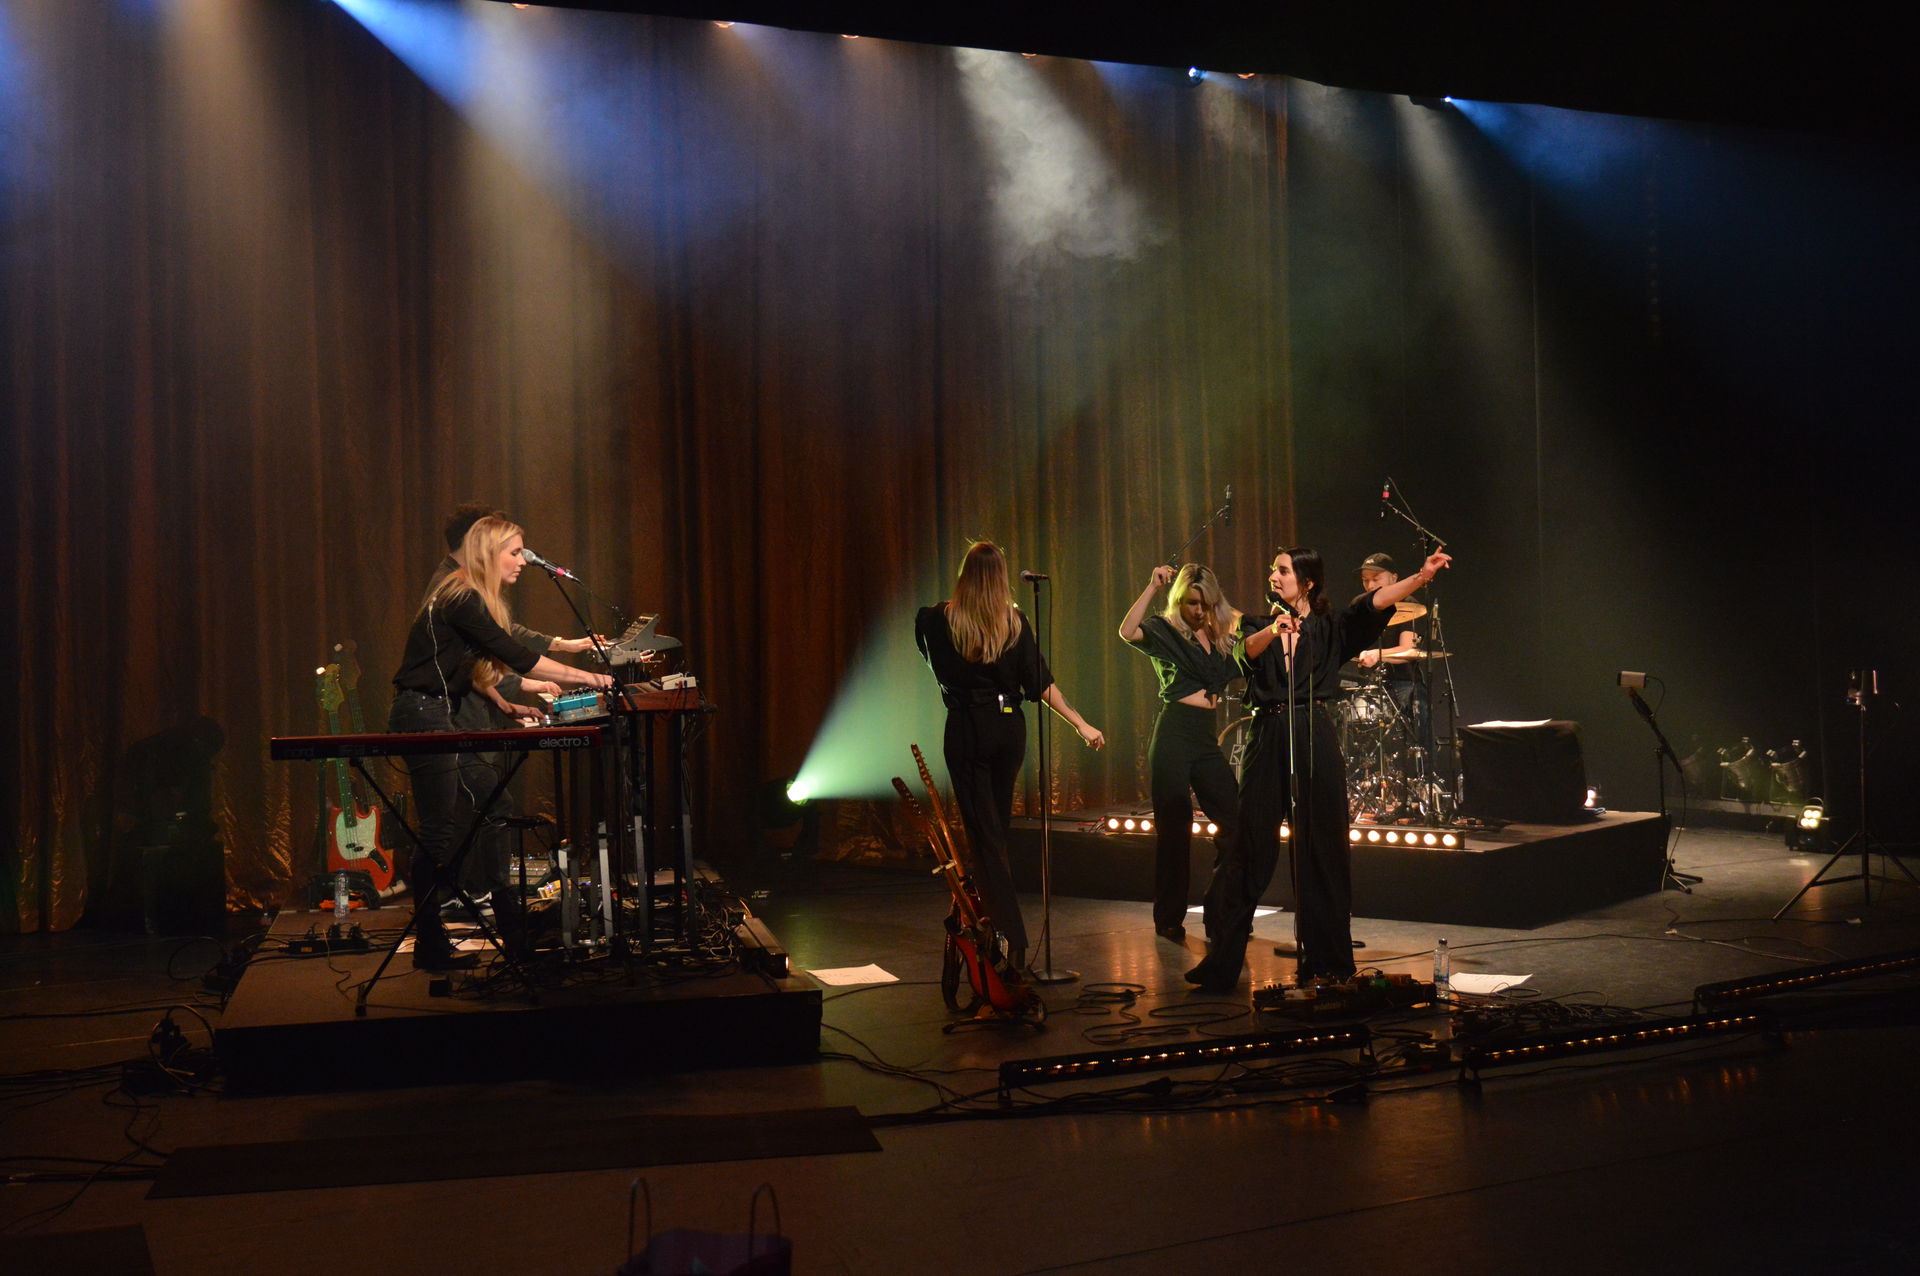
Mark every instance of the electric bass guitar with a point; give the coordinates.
(998, 990)
(353, 837)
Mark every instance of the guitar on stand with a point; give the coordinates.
(347, 654)
(353, 830)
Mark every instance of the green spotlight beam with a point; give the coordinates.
(888, 701)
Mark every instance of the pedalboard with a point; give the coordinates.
(1362, 995)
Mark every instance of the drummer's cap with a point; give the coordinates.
(1378, 563)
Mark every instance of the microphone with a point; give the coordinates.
(1386, 496)
(538, 561)
(1035, 576)
(1226, 515)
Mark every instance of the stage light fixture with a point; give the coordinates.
(1196, 828)
(1019, 1073)
(1809, 831)
(1353, 835)
(1129, 824)
(1213, 830)
(1806, 977)
(1652, 1032)
(1393, 837)
(798, 793)
(1448, 839)
(1195, 75)
(1286, 832)
(1430, 839)
(1113, 824)
(1373, 835)
(1146, 826)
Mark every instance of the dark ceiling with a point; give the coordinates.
(1826, 68)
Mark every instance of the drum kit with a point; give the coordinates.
(1392, 771)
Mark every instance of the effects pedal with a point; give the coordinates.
(1361, 995)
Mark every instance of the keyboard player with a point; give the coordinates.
(460, 646)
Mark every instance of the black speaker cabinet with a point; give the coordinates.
(1530, 774)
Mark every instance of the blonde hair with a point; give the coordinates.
(1222, 623)
(479, 573)
(980, 616)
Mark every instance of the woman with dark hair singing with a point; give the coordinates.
(1294, 770)
(986, 660)
(1191, 645)
(459, 646)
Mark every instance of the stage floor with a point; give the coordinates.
(1740, 1155)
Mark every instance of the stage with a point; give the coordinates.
(291, 1024)
(1521, 876)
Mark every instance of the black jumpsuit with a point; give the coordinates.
(1308, 747)
(1185, 754)
(985, 743)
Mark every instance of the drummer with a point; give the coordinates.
(1403, 684)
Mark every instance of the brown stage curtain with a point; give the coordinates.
(757, 341)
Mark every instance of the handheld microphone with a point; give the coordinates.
(538, 561)
(1035, 576)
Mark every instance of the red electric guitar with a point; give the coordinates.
(998, 989)
(353, 836)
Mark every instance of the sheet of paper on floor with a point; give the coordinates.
(842, 975)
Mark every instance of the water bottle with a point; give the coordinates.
(1442, 972)
(342, 901)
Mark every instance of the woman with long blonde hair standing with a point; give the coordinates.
(983, 654)
(458, 647)
(1191, 644)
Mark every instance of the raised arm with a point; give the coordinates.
(1130, 630)
(1387, 595)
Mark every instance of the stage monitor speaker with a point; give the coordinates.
(1530, 773)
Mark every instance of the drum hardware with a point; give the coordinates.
(1414, 653)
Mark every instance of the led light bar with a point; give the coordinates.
(1832, 972)
(1631, 1036)
(1019, 1073)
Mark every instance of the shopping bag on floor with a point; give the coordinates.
(684, 1251)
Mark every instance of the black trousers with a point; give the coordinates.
(984, 749)
(447, 787)
(1322, 863)
(1185, 756)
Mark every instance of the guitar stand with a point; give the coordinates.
(451, 870)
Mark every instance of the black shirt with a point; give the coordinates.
(1395, 670)
(446, 640)
(1181, 663)
(1019, 674)
(1327, 640)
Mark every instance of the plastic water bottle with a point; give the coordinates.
(342, 901)
(1442, 971)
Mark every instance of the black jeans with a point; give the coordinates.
(1185, 755)
(1322, 863)
(984, 749)
(447, 788)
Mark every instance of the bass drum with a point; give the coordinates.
(1365, 711)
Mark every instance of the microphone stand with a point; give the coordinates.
(623, 768)
(1225, 511)
(1045, 973)
(1430, 543)
(1663, 753)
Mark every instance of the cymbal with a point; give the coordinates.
(1406, 609)
(1401, 657)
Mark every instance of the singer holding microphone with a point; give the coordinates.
(458, 647)
(1294, 770)
(1191, 646)
(984, 656)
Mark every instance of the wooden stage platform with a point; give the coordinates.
(1524, 875)
(291, 1024)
